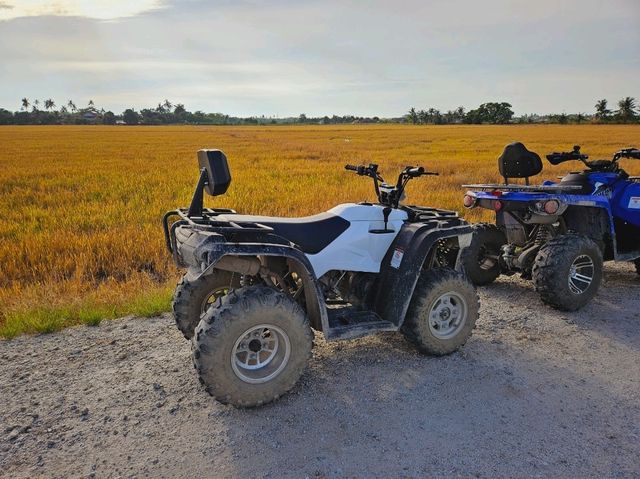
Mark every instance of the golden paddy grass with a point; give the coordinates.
(80, 236)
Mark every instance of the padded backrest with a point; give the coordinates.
(518, 162)
(218, 174)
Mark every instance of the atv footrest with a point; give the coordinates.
(348, 322)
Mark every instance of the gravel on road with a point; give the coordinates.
(534, 393)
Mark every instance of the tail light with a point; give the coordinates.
(469, 201)
(497, 205)
(551, 207)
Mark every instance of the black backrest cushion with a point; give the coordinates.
(518, 162)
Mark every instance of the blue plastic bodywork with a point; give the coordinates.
(617, 196)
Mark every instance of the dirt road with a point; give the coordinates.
(534, 393)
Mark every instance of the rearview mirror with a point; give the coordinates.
(214, 162)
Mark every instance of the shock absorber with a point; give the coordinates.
(542, 235)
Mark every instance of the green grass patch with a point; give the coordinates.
(48, 320)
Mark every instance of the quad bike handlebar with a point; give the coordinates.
(389, 195)
(556, 158)
(595, 165)
(627, 153)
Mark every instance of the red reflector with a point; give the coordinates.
(497, 193)
(468, 201)
(551, 207)
(497, 205)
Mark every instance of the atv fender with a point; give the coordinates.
(210, 251)
(595, 223)
(403, 262)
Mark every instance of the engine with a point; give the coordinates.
(350, 287)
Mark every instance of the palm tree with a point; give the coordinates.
(434, 116)
(49, 104)
(91, 104)
(413, 116)
(71, 105)
(25, 104)
(36, 104)
(627, 109)
(602, 112)
(167, 104)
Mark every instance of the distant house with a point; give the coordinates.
(90, 116)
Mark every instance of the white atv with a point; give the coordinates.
(255, 286)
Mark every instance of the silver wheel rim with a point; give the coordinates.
(581, 274)
(260, 353)
(447, 315)
(212, 298)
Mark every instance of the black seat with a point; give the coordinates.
(311, 233)
(578, 179)
(518, 162)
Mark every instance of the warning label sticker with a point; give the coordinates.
(396, 259)
(634, 203)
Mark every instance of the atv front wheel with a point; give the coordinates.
(253, 347)
(442, 312)
(480, 258)
(567, 271)
(191, 299)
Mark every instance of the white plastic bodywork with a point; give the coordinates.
(357, 249)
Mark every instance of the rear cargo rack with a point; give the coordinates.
(206, 222)
(530, 188)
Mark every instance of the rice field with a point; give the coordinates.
(80, 236)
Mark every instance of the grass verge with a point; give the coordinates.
(151, 302)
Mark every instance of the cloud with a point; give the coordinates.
(97, 9)
(330, 56)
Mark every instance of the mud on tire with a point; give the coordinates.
(442, 312)
(192, 298)
(487, 240)
(253, 347)
(567, 271)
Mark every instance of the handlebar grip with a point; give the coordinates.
(351, 167)
(416, 171)
(632, 153)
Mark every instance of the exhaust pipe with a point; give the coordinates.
(249, 265)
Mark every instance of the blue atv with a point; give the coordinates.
(559, 233)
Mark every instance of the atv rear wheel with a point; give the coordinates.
(253, 347)
(442, 312)
(191, 299)
(480, 259)
(567, 271)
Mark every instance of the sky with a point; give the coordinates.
(321, 57)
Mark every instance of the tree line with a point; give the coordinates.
(500, 113)
(47, 112)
